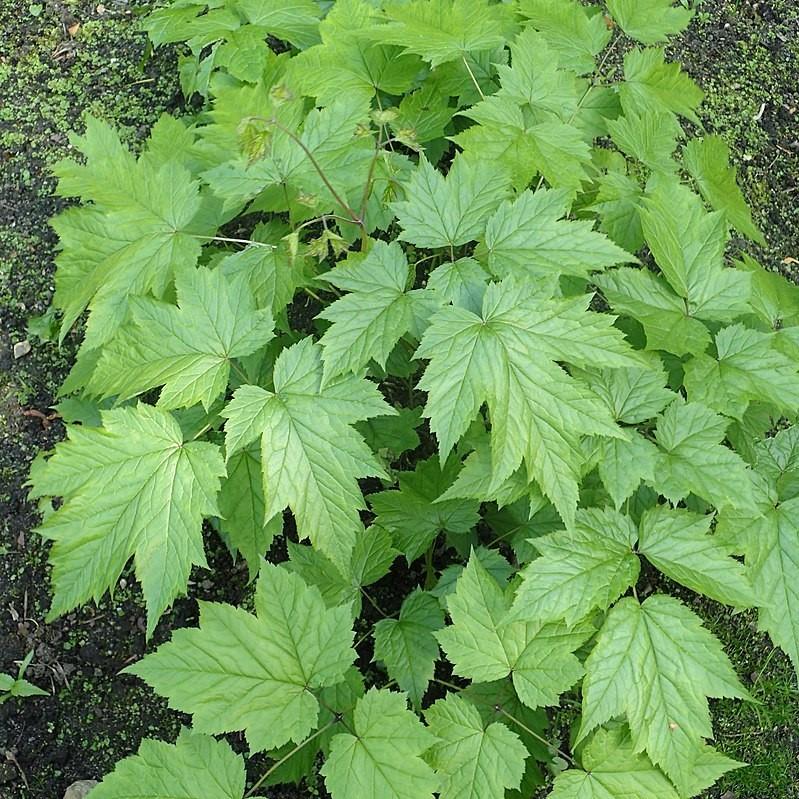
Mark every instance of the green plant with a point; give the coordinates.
(18, 686)
(301, 275)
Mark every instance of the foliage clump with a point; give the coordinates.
(532, 371)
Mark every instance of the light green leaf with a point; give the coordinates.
(650, 21)
(617, 206)
(708, 161)
(413, 515)
(650, 137)
(748, 368)
(688, 245)
(187, 349)
(656, 664)
(407, 646)
(377, 312)
(529, 237)
(613, 770)
(295, 21)
(243, 510)
(258, 673)
(130, 488)
(448, 212)
(140, 227)
(537, 410)
(693, 459)
(647, 297)
(623, 464)
(462, 282)
(679, 543)
(572, 31)
(383, 756)
(586, 567)
(652, 83)
(773, 565)
(310, 455)
(483, 643)
(195, 767)
(474, 761)
(445, 30)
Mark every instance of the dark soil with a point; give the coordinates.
(744, 54)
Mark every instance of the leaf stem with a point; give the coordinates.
(233, 241)
(275, 766)
(471, 75)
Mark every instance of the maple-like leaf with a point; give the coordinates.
(656, 664)
(187, 349)
(377, 312)
(484, 644)
(586, 567)
(650, 21)
(406, 645)
(693, 459)
(382, 756)
(613, 769)
(448, 212)
(416, 513)
(748, 367)
(195, 767)
(529, 238)
(537, 410)
(262, 673)
(445, 30)
(130, 488)
(678, 543)
(310, 455)
(141, 222)
(652, 84)
(474, 760)
(708, 161)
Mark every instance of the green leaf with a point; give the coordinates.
(748, 368)
(140, 227)
(310, 455)
(650, 83)
(445, 30)
(414, 516)
(296, 21)
(537, 410)
(243, 510)
(617, 202)
(572, 31)
(650, 137)
(474, 761)
(484, 644)
(586, 567)
(678, 543)
(448, 212)
(407, 646)
(656, 664)
(195, 767)
(258, 673)
(462, 282)
(383, 756)
(188, 349)
(529, 238)
(613, 770)
(396, 434)
(694, 461)
(667, 322)
(348, 61)
(623, 464)
(708, 161)
(378, 311)
(130, 488)
(688, 245)
(650, 21)
(773, 565)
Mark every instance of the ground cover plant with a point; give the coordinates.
(307, 274)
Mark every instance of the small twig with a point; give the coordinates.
(539, 738)
(474, 79)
